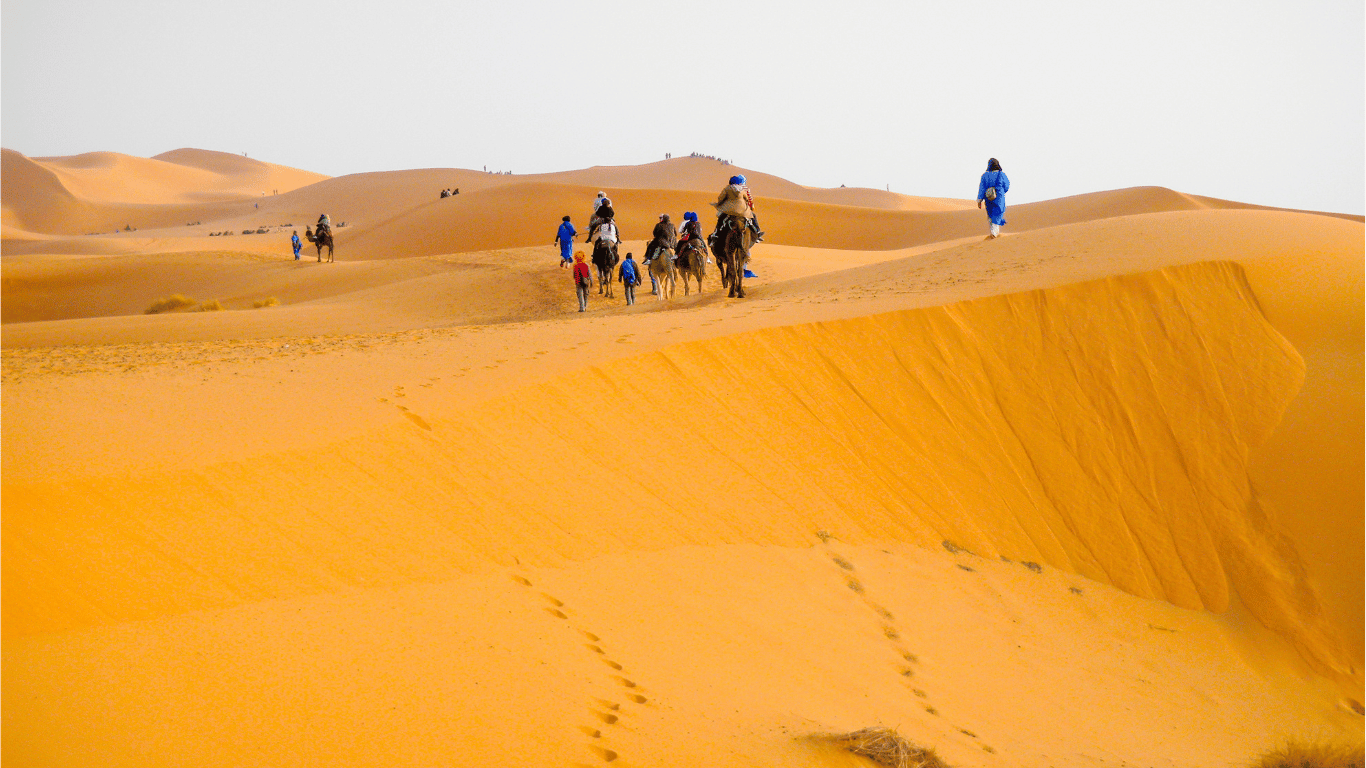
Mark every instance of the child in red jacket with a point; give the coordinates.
(583, 280)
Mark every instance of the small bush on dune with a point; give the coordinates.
(169, 304)
(883, 746)
(269, 301)
(209, 306)
(1297, 754)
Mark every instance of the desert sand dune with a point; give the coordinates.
(1078, 493)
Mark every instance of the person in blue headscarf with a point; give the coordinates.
(992, 190)
(735, 200)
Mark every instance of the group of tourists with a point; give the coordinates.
(734, 208)
(450, 192)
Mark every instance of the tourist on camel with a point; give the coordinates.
(692, 231)
(593, 219)
(665, 238)
(736, 200)
(603, 214)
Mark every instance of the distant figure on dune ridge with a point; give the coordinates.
(445, 193)
(992, 190)
(583, 280)
(565, 238)
(294, 241)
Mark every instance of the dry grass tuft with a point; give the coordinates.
(1297, 754)
(884, 746)
(211, 305)
(269, 301)
(169, 304)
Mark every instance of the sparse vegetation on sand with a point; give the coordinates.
(211, 305)
(1297, 754)
(883, 746)
(269, 301)
(170, 304)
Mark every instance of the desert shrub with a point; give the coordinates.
(884, 746)
(269, 301)
(169, 304)
(211, 305)
(1297, 754)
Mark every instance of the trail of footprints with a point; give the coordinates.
(605, 713)
(906, 660)
(413, 417)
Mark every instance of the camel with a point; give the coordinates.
(324, 237)
(732, 253)
(692, 262)
(605, 258)
(663, 273)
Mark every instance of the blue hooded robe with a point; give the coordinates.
(566, 235)
(996, 209)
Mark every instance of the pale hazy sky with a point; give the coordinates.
(1261, 102)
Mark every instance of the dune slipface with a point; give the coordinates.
(1026, 528)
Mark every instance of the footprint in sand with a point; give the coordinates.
(606, 754)
(418, 420)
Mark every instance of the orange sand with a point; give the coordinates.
(1088, 494)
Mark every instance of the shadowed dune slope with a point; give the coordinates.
(1102, 428)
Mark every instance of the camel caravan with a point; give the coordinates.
(673, 254)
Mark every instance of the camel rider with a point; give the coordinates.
(691, 232)
(736, 200)
(597, 203)
(602, 212)
(607, 232)
(665, 238)
(324, 224)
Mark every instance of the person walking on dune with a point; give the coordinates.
(629, 276)
(992, 190)
(294, 241)
(583, 280)
(565, 237)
